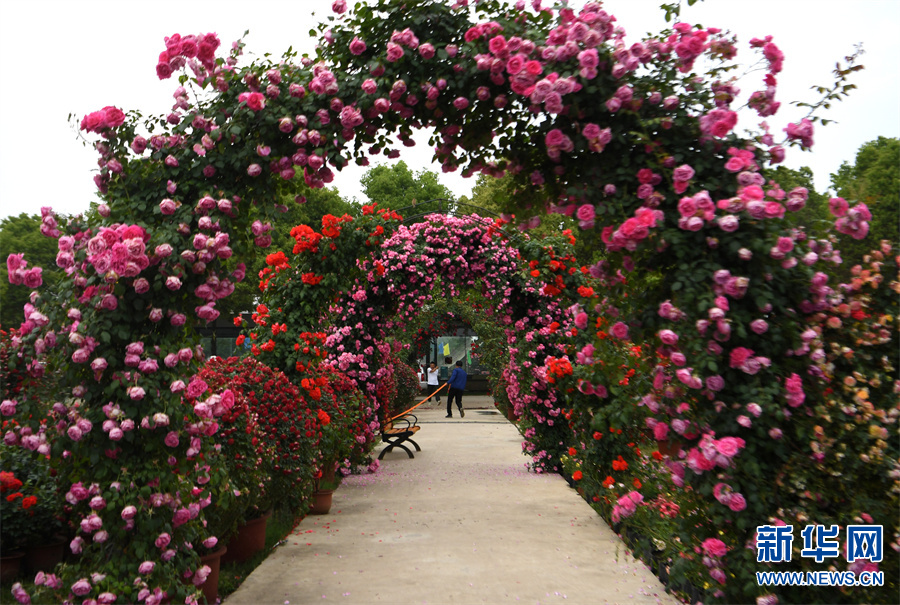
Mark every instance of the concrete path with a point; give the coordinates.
(462, 522)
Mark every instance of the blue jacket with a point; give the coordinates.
(458, 379)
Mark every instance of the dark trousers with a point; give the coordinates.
(454, 393)
(431, 390)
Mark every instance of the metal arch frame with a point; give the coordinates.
(513, 235)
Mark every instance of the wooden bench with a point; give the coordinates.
(397, 431)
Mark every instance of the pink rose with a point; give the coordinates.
(427, 50)
(357, 46)
(171, 439)
(737, 503)
(838, 206)
(729, 446)
(163, 540)
(255, 101)
(668, 337)
(714, 547)
(660, 431)
(167, 206)
(715, 383)
(32, 277)
(683, 173)
(619, 330)
(203, 572)
(181, 516)
(739, 356)
(81, 587)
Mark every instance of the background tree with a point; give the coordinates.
(817, 221)
(20, 234)
(873, 178)
(397, 186)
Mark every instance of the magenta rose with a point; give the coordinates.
(81, 587)
(32, 277)
(714, 547)
(357, 46)
(619, 330)
(660, 431)
(737, 503)
(171, 439)
(729, 446)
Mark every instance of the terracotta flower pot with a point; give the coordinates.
(321, 502)
(11, 565)
(669, 447)
(45, 557)
(210, 587)
(250, 539)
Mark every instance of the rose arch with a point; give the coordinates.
(367, 291)
(691, 354)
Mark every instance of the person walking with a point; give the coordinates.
(457, 383)
(433, 383)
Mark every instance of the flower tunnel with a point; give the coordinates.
(687, 345)
(399, 270)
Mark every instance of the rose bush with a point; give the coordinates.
(246, 450)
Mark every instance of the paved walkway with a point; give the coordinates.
(462, 522)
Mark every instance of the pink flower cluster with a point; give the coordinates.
(696, 211)
(254, 100)
(398, 40)
(98, 121)
(850, 221)
(718, 122)
(688, 44)
(118, 251)
(743, 359)
(711, 452)
(713, 550)
(556, 143)
(18, 273)
(730, 498)
(632, 231)
(741, 159)
(794, 387)
(597, 138)
(626, 505)
(180, 50)
(550, 90)
(801, 131)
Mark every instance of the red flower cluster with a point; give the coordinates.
(311, 278)
(558, 368)
(307, 239)
(8, 482)
(331, 225)
(312, 386)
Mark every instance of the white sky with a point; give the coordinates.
(75, 56)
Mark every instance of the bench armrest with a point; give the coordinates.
(406, 418)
